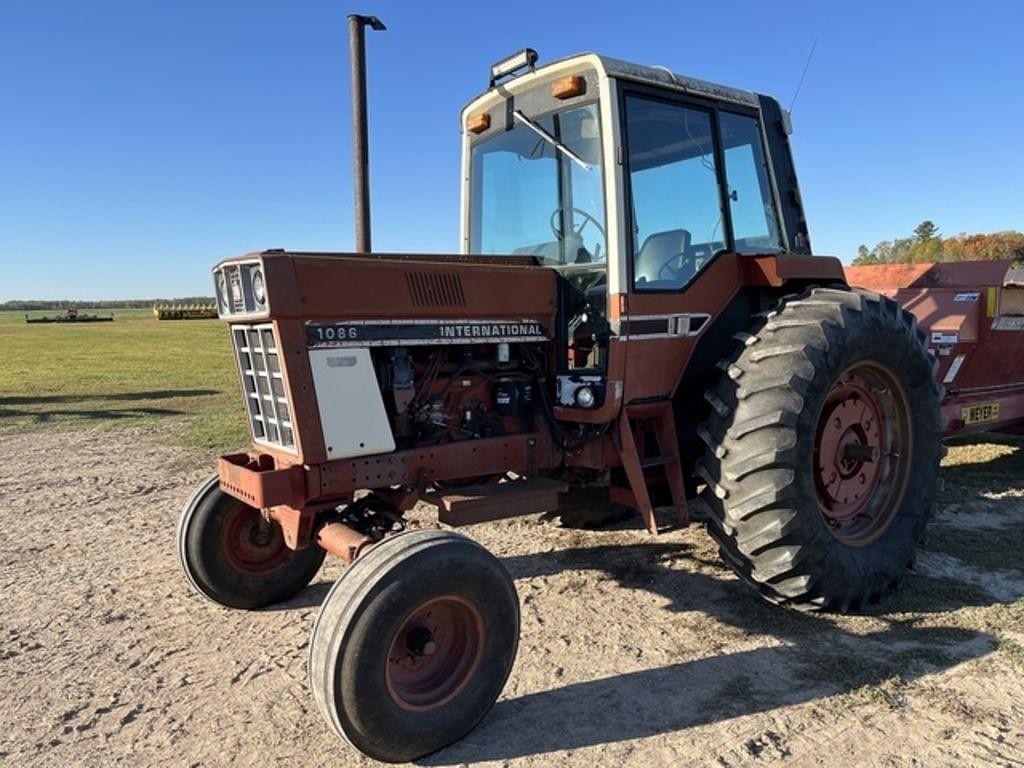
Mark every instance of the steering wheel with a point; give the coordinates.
(681, 257)
(587, 219)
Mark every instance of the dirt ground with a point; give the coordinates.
(635, 650)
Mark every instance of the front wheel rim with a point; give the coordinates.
(862, 453)
(435, 653)
(251, 544)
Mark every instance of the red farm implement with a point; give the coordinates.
(973, 315)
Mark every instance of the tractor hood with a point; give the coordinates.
(395, 287)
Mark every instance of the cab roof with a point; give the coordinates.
(625, 70)
(663, 76)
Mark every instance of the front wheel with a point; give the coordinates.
(824, 444)
(413, 644)
(233, 556)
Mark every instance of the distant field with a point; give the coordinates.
(133, 371)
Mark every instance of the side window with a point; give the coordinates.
(677, 214)
(755, 223)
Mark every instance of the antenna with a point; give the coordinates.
(803, 74)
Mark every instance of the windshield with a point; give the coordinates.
(537, 190)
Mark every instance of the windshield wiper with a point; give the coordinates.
(552, 140)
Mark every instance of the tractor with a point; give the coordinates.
(635, 318)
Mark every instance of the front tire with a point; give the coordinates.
(413, 644)
(234, 557)
(823, 448)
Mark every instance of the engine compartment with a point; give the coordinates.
(435, 395)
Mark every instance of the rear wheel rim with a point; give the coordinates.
(862, 452)
(435, 653)
(251, 544)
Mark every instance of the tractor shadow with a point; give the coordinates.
(312, 596)
(101, 407)
(802, 657)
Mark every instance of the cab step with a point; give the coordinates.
(496, 501)
(634, 423)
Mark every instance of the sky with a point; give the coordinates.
(141, 141)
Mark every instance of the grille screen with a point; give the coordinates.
(265, 395)
(435, 289)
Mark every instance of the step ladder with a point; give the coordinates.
(635, 422)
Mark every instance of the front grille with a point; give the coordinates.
(435, 289)
(266, 397)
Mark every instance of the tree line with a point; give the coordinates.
(928, 245)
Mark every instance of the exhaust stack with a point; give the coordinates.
(360, 135)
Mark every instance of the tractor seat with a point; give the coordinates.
(658, 251)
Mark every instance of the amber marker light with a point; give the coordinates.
(479, 123)
(568, 87)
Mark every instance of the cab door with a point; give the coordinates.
(699, 194)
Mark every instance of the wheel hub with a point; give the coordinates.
(862, 436)
(420, 642)
(251, 544)
(435, 653)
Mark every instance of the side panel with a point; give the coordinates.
(351, 408)
(656, 361)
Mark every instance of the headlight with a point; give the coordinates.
(259, 290)
(585, 397)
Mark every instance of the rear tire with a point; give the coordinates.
(823, 449)
(413, 644)
(233, 557)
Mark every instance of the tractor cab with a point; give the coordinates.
(629, 181)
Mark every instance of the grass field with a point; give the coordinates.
(133, 371)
